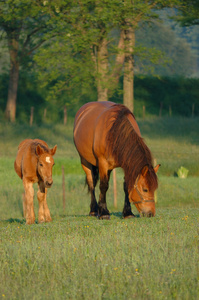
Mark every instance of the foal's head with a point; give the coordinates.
(142, 194)
(45, 164)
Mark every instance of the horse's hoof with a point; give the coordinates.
(93, 214)
(129, 217)
(104, 217)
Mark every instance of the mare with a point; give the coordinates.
(107, 136)
(34, 162)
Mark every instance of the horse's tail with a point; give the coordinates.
(95, 175)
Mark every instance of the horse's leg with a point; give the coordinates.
(104, 184)
(24, 205)
(44, 212)
(91, 179)
(127, 213)
(28, 202)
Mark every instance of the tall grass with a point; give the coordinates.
(79, 257)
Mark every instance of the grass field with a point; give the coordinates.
(79, 257)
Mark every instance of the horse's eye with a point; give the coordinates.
(145, 190)
(41, 165)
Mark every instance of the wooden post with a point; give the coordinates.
(193, 108)
(144, 110)
(45, 110)
(170, 111)
(31, 115)
(65, 115)
(63, 188)
(160, 112)
(115, 188)
(155, 193)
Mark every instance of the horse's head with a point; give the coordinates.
(142, 194)
(45, 164)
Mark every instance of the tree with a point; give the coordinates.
(22, 23)
(188, 13)
(134, 14)
(178, 59)
(85, 39)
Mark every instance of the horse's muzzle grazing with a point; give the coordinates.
(148, 214)
(48, 183)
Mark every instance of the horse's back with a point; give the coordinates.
(85, 124)
(22, 148)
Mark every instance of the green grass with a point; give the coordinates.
(79, 257)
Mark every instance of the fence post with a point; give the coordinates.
(170, 111)
(63, 189)
(45, 110)
(115, 188)
(193, 108)
(155, 193)
(160, 112)
(144, 110)
(31, 115)
(65, 115)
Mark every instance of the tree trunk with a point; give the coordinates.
(13, 46)
(119, 62)
(102, 70)
(128, 82)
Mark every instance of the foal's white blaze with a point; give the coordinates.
(48, 159)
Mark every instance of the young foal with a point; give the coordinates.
(33, 164)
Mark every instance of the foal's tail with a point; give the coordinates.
(95, 175)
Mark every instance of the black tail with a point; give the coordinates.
(95, 174)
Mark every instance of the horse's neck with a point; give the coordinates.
(134, 124)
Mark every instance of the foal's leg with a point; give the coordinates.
(28, 202)
(104, 184)
(44, 212)
(127, 213)
(91, 180)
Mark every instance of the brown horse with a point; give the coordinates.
(107, 136)
(33, 164)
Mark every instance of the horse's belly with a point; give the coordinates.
(83, 138)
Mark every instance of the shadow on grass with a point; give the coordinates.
(19, 221)
(177, 128)
(114, 214)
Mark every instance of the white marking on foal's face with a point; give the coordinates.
(48, 159)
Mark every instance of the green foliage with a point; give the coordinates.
(188, 13)
(165, 53)
(175, 95)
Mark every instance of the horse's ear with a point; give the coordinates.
(156, 168)
(145, 170)
(39, 150)
(53, 150)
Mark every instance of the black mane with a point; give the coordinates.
(128, 148)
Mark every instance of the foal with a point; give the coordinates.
(33, 164)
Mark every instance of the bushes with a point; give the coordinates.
(175, 95)
(178, 94)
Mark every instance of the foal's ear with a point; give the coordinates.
(145, 170)
(39, 150)
(53, 150)
(156, 168)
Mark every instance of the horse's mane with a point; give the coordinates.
(128, 148)
(36, 143)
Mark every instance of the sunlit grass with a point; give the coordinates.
(80, 257)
